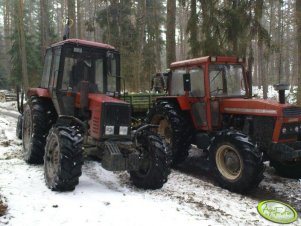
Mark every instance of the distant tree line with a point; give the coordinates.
(150, 34)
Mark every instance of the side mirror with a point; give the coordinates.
(186, 82)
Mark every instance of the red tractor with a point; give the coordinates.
(210, 105)
(76, 110)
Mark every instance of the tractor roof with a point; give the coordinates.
(200, 60)
(84, 43)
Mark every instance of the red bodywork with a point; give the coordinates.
(95, 106)
(228, 105)
(81, 42)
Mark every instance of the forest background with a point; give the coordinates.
(150, 34)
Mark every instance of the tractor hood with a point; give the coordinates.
(96, 100)
(259, 107)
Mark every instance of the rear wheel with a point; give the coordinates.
(63, 158)
(153, 169)
(38, 117)
(174, 127)
(236, 162)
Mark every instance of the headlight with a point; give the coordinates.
(123, 130)
(296, 129)
(109, 130)
(284, 130)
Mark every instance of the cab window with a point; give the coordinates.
(46, 70)
(177, 86)
(197, 82)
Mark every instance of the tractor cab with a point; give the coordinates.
(204, 82)
(71, 63)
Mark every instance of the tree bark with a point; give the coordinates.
(71, 15)
(192, 28)
(78, 19)
(44, 26)
(7, 33)
(170, 32)
(22, 45)
(298, 20)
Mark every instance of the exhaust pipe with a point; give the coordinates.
(281, 90)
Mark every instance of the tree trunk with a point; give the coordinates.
(192, 28)
(71, 15)
(7, 33)
(141, 43)
(170, 32)
(44, 26)
(158, 36)
(79, 19)
(22, 47)
(298, 20)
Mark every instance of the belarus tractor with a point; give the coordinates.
(76, 111)
(210, 105)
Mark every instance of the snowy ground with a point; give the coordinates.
(190, 196)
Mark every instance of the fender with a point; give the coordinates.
(182, 101)
(70, 121)
(233, 134)
(40, 92)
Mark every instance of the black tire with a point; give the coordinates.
(38, 116)
(19, 127)
(174, 127)
(287, 169)
(237, 164)
(63, 158)
(153, 170)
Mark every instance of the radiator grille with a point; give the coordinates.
(116, 114)
(292, 111)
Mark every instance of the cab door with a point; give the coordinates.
(197, 97)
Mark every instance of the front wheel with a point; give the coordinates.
(153, 169)
(236, 162)
(174, 126)
(63, 158)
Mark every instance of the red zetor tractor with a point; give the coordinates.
(76, 109)
(210, 105)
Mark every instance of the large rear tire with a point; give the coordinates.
(153, 170)
(174, 127)
(63, 158)
(38, 117)
(237, 164)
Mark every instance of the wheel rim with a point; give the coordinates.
(52, 158)
(164, 129)
(229, 162)
(27, 131)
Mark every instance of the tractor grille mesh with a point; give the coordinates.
(116, 114)
(292, 111)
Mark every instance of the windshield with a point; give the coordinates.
(82, 63)
(226, 80)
